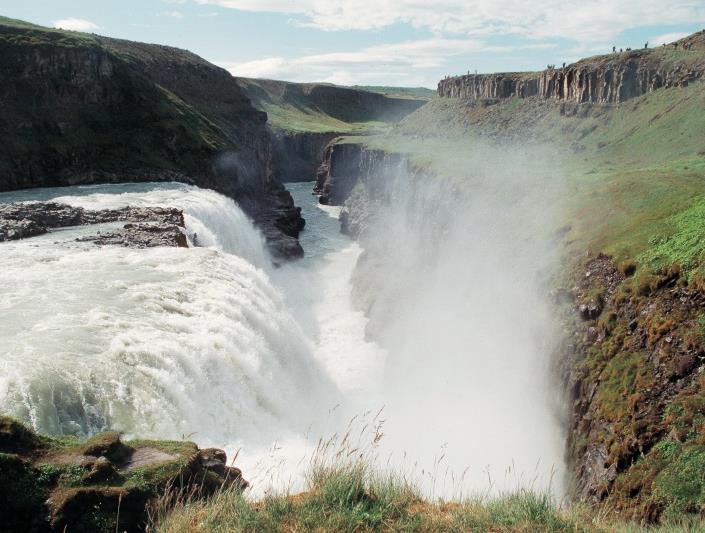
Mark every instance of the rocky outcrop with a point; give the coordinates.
(149, 226)
(140, 236)
(604, 79)
(101, 485)
(78, 108)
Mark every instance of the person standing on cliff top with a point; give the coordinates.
(646, 45)
(614, 49)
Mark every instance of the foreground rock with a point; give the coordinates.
(103, 484)
(150, 226)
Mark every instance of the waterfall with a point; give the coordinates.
(161, 342)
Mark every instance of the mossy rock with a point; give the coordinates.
(17, 438)
(58, 485)
(108, 445)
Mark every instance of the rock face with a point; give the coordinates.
(297, 155)
(77, 108)
(101, 485)
(633, 366)
(347, 164)
(603, 79)
(150, 226)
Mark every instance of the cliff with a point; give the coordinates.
(603, 79)
(77, 108)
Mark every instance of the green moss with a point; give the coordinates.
(681, 483)
(622, 380)
(684, 246)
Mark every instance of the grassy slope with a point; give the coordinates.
(289, 109)
(629, 169)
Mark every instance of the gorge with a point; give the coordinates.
(493, 291)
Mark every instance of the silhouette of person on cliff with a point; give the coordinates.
(563, 64)
(614, 49)
(646, 45)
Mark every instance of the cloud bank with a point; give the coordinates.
(580, 20)
(75, 24)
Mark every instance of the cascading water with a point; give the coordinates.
(213, 343)
(159, 342)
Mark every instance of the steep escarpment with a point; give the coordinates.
(77, 108)
(603, 79)
(635, 358)
(297, 155)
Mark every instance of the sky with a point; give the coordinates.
(376, 42)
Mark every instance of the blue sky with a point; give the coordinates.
(376, 42)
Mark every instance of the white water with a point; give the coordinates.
(214, 344)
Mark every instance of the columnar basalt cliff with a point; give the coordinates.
(77, 108)
(603, 79)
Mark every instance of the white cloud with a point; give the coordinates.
(75, 24)
(174, 14)
(404, 63)
(579, 20)
(667, 38)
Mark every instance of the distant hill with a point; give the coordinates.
(305, 117)
(399, 92)
(320, 107)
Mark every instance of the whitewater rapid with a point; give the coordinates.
(209, 342)
(213, 344)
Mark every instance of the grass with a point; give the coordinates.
(352, 497)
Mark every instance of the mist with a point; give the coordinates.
(454, 282)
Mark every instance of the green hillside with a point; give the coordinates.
(320, 108)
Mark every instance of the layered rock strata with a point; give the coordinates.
(604, 79)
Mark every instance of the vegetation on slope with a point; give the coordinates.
(322, 108)
(99, 485)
